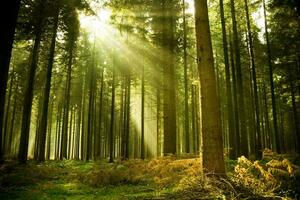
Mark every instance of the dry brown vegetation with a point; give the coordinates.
(275, 177)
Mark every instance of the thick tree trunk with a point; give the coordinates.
(9, 14)
(211, 141)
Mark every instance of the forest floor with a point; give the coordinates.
(163, 178)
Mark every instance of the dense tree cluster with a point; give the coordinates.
(155, 79)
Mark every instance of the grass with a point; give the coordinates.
(164, 178)
(64, 180)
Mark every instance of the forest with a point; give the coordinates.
(150, 99)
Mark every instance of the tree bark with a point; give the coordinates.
(212, 146)
(9, 14)
(230, 112)
(28, 95)
(169, 97)
(274, 110)
(258, 147)
(112, 118)
(43, 126)
(240, 91)
(186, 90)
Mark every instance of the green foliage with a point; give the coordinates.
(164, 178)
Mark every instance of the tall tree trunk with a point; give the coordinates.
(296, 120)
(123, 145)
(100, 113)
(169, 105)
(230, 118)
(158, 118)
(9, 14)
(70, 131)
(186, 90)
(64, 141)
(7, 115)
(266, 110)
(11, 130)
(43, 126)
(49, 130)
(143, 114)
(28, 95)
(240, 91)
(211, 142)
(128, 114)
(90, 110)
(112, 119)
(258, 147)
(274, 111)
(235, 99)
(194, 120)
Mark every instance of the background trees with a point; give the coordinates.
(120, 79)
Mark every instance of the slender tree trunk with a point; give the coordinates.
(49, 131)
(83, 130)
(38, 124)
(64, 141)
(123, 147)
(128, 115)
(268, 136)
(158, 118)
(274, 111)
(186, 90)
(143, 114)
(43, 126)
(91, 107)
(211, 142)
(70, 131)
(112, 119)
(240, 91)
(194, 121)
(100, 113)
(12, 124)
(28, 95)
(169, 105)
(230, 112)
(7, 115)
(9, 14)
(296, 120)
(258, 147)
(235, 99)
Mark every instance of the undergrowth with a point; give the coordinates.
(274, 177)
